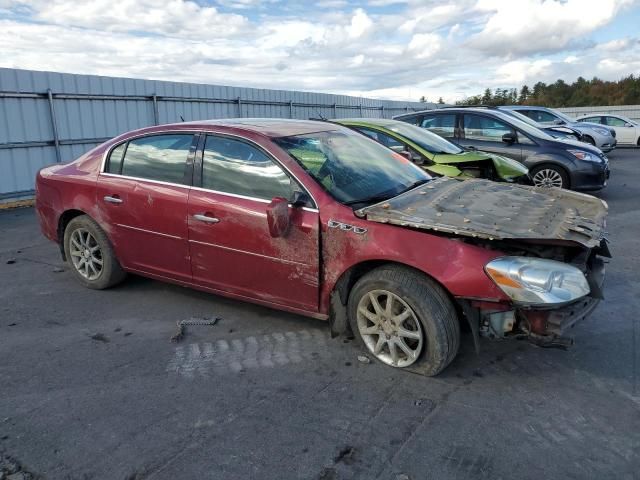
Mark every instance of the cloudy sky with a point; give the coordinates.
(381, 48)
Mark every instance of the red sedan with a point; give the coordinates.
(313, 218)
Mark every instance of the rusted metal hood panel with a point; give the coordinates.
(484, 209)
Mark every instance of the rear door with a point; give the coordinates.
(230, 245)
(485, 133)
(143, 194)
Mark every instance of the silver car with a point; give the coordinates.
(600, 136)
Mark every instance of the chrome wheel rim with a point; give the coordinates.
(547, 177)
(389, 328)
(85, 253)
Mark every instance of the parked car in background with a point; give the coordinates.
(435, 154)
(316, 219)
(627, 130)
(556, 131)
(551, 162)
(597, 135)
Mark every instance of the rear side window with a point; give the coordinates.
(157, 157)
(234, 166)
(115, 159)
(478, 127)
(591, 119)
(440, 124)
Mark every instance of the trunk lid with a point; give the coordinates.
(496, 211)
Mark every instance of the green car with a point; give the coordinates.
(435, 154)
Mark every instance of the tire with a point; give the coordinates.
(549, 176)
(85, 246)
(589, 140)
(431, 331)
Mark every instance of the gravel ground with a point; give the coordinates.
(91, 387)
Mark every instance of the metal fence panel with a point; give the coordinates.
(630, 111)
(47, 116)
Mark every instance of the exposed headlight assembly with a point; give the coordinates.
(536, 281)
(582, 155)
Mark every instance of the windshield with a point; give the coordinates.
(522, 117)
(527, 128)
(564, 117)
(426, 139)
(352, 167)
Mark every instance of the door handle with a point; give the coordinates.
(112, 199)
(205, 218)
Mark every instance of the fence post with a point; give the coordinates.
(156, 115)
(382, 111)
(54, 125)
(406, 108)
(335, 110)
(290, 108)
(360, 109)
(239, 107)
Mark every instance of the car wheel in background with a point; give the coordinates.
(549, 176)
(404, 318)
(90, 254)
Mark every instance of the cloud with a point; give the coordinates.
(384, 48)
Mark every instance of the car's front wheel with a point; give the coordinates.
(549, 176)
(404, 318)
(90, 254)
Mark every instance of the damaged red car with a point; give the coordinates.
(313, 218)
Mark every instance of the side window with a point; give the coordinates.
(539, 116)
(477, 127)
(383, 138)
(415, 120)
(615, 122)
(158, 157)
(233, 166)
(114, 163)
(592, 119)
(441, 124)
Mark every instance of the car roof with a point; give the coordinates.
(460, 109)
(271, 127)
(381, 122)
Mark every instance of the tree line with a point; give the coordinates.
(581, 93)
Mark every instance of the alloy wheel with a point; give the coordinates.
(85, 253)
(389, 328)
(547, 177)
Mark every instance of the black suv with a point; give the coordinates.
(551, 162)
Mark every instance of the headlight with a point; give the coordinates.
(536, 281)
(602, 131)
(582, 155)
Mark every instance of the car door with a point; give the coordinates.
(485, 133)
(624, 133)
(230, 245)
(142, 196)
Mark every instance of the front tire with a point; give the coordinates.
(404, 318)
(90, 254)
(549, 176)
(589, 140)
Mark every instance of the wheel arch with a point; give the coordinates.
(547, 163)
(339, 297)
(63, 221)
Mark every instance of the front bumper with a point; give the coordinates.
(608, 146)
(591, 175)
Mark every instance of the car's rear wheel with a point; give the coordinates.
(549, 176)
(90, 254)
(403, 318)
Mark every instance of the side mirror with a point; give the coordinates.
(628, 125)
(299, 199)
(406, 154)
(509, 138)
(278, 217)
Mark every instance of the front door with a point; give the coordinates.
(624, 134)
(230, 245)
(143, 195)
(484, 133)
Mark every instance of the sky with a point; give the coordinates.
(394, 49)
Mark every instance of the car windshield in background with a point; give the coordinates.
(563, 116)
(526, 128)
(426, 139)
(351, 167)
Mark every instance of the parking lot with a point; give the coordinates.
(91, 387)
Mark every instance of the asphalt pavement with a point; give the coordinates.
(91, 387)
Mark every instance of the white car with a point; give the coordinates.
(627, 130)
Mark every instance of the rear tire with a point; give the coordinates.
(90, 254)
(395, 308)
(549, 176)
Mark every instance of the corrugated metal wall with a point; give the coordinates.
(89, 109)
(630, 111)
